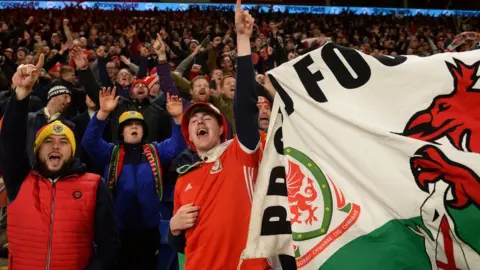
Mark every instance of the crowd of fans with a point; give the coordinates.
(157, 61)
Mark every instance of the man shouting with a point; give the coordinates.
(213, 196)
(57, 211)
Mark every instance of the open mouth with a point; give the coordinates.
(134, 133)
(202, 133)
(264, 119)
(54, 158)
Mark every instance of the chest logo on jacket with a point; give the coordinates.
(77, 194)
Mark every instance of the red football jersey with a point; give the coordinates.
(223, 188)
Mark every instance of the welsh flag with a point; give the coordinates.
(371, 163)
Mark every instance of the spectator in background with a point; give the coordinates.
(58, 99)
(152, 109)
(81, 123)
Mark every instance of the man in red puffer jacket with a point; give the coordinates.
(57, 210)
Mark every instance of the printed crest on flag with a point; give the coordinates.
(313, 198)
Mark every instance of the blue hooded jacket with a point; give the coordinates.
(137, 205)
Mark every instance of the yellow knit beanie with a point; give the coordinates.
(55, 128)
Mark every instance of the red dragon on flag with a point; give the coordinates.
(456, 117)
(300, 200)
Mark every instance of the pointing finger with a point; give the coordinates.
(239, 5)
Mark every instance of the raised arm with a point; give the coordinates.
(15, 162)
(246, 96)
(93, 143)
(142, 67)
(16, 32)
(102, 71)
(163, 71)
(87, 79)
(173, 146)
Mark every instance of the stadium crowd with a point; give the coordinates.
(144, 99)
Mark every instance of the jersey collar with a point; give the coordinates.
(210, 157)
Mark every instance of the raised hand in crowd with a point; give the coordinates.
(244, 26)
(80, 59)
(160, 48)
(66, 46)
(108, 102)
(68, 32)
(184, 218)
(175, 108)
(217, 41)
(243, 21)
(196, 68)
(26, 77)
(125, 60)
(260, 78)
(197, 50)
(101, 51)
(30, 20)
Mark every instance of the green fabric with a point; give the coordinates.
(181, 261)
(394, 246)
(467, 222)
(183, 86)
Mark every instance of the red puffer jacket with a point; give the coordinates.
(51, 225)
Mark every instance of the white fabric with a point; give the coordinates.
(358, 140)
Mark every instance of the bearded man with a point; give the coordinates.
(57, 210)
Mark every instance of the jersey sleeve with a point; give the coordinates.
(243, 155)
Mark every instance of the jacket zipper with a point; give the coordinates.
(50, 236)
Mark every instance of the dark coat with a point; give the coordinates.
(81, 123)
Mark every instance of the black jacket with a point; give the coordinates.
(34, 105)
(16, 166)
(81, 123)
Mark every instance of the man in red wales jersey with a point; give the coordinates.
(213, 196)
